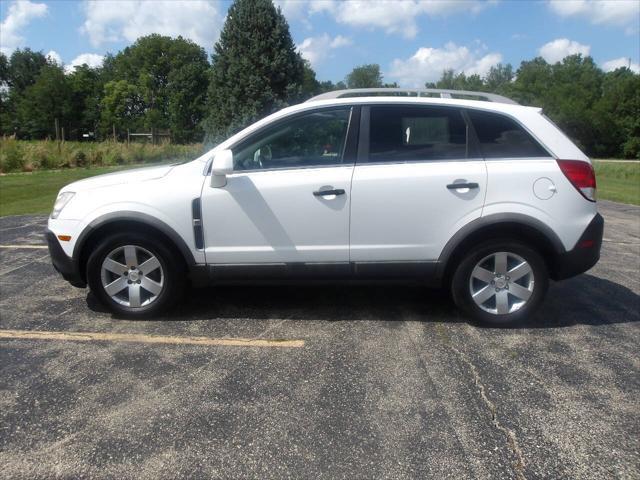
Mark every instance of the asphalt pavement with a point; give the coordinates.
(319, 382)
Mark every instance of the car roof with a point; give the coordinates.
(398, 100)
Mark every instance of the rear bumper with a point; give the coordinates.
(585, 254)
(62, 263)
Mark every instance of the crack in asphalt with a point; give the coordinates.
(512, 439)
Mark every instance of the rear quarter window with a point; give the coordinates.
(501, 137)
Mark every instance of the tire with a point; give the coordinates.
(159, 283)
(514, 294)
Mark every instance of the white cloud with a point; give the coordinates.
(318, 49)
(393, 16)
(427, 64)
(612, 65)
(296, 9)
(20, 14)
(54, 57)
(612, 12)
(559, 48)
(92, 59)
(111, 21)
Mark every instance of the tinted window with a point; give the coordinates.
(501, 136)
(312, 139)
(405, 133)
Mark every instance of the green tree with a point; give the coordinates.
(23, 69)
(18, 72)
(567, 91)
(532, 82)
(171, 78)
(122, 105)
(452, 81)
(499, 78)
(4, 71)
(5, 116)
(310, 85)
(617, 115)
(86, 86)
(256, 68)
(48, 99)
(365, 76)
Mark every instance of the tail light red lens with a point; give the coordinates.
(581, 176)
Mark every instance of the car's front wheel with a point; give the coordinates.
(135, 275)
(500, 282)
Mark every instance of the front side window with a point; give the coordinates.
(413, 133)
(308, 140)
(502, 137)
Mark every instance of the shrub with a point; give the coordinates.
(11, 157)
(79, 158)
(17, 155)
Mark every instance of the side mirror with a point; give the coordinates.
(222, 166)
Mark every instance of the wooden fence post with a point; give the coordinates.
(113, 126)
(57, 127)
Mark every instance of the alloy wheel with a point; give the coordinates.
(501, 283)
(132, 276)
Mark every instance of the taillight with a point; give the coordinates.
(581, 176)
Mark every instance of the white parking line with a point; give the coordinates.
(34, 247)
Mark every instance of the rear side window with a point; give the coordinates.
(502, 137)
(410, 133)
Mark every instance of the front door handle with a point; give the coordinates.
(455, 186)
(322, 193)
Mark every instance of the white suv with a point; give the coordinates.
(486, 197)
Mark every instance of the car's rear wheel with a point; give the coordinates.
(135, 275)
(500, 282)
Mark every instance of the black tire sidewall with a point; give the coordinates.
(173, 274)
(460, 283)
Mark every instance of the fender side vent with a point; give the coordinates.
(198, 232)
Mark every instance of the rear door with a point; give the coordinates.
(418, 179)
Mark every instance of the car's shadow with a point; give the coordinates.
(586, 300)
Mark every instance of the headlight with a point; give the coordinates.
(61, 201)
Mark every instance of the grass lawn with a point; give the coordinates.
(618, 181)
(24, 193)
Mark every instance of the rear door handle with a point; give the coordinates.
(322, 193)
(455, 186)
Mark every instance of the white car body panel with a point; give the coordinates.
(273, 217)
(164, 193)
(404, 211)
(510, 190)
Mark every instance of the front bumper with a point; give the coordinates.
(62, 263)
(585, 254)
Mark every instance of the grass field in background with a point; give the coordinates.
(618, 181)
(24, 193)
(37, 155)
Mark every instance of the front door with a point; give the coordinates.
(287, 202)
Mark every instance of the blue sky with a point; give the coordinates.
(412, 40)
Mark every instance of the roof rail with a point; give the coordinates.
(412, 92)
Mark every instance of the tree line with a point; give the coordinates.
(165, 83)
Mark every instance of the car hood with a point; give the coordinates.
(119, 178)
